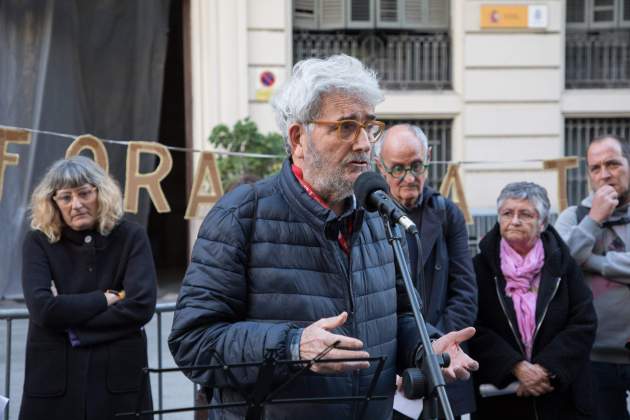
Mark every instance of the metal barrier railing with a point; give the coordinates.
(10, 315)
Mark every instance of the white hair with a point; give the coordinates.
(415, 130)
(299, 100)
(531, 192)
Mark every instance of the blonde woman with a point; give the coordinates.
(90, 285)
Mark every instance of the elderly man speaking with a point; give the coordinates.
(292, 264)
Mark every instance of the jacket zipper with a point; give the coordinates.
(355, 374)
(348, 275)
(544, 314)
(516, 337)
(540, 321)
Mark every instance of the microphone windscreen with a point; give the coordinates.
(366, 184)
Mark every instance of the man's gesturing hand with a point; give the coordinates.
(461, 364)
(317, 336)
(605, 200)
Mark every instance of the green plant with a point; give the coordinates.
(244, 137)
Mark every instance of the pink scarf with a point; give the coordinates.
(523, 279)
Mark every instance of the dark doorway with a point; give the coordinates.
(169, 231)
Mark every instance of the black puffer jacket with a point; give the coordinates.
(251, 286)
(566, 324)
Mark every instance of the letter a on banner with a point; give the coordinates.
(206, 166)
(452, 181)
(92, 144)
(151, 181)
(9, 135)
(562, 165)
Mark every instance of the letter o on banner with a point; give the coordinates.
(92, 144)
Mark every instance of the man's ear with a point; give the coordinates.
(295, 140)
(429, 152)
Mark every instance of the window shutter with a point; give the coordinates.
(413, 14)
(576, 13)
(305, 14)
(437, 14)
(388, 13)
(426, 14)
(625, 13)
(331, 14)
(361, 14)
(603, 14)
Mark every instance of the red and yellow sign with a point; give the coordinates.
(504, 17)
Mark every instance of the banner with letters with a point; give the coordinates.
(206, 186)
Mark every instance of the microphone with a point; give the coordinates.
(371, 192)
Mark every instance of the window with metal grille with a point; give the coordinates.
(415, 15)
(597, 14)
(578, 133)
(439, 134)
(405, 41)
(597, 53)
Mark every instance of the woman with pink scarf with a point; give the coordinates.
(536, 322)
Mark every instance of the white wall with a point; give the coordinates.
(508, 100)
(269, 35)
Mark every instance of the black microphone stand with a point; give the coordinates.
(427, 380)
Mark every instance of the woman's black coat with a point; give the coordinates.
(562, 343)
(102, 375)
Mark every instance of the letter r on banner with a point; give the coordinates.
(150, 181)
(9, 135)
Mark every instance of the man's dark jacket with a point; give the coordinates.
(449, 291)
(566, 323)
(251, 286)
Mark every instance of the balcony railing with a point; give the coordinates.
(402, 60)
(598, 60)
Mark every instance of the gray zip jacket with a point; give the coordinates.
(603, 253)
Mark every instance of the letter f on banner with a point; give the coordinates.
(9, 135)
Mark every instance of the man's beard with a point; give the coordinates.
(328, 179)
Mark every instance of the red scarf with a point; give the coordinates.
(343, 241)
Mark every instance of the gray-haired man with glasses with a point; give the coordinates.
(441, 261)
(291, 263)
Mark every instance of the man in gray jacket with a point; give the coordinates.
(598, 235)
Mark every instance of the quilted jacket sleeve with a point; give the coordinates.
(212, 307)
